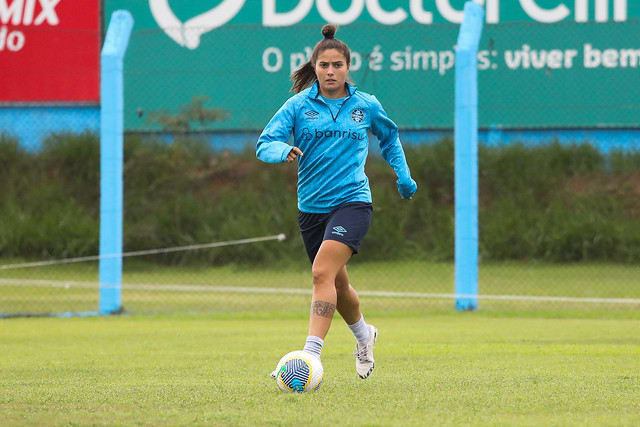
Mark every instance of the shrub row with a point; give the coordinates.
(553, 202)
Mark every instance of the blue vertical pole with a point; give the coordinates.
(466, 157)
(111, 159)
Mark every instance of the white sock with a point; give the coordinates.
(360, 330)
(314, 345)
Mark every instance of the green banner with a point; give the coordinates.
(542, 63)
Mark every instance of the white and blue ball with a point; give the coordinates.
(299, 371)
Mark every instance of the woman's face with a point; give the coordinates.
(332, 70)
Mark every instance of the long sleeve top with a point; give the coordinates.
(333, 137)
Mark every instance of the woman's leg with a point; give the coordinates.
(348, 303)
(348, 306)
(330, 260)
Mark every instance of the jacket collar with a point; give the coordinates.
(315, 90)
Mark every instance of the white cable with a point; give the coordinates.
(278, 237)
(301, 291)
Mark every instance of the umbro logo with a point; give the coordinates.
(311, 114)
(339, 230)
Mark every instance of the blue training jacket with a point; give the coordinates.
(334, 146)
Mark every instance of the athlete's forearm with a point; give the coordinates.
(272, 152)
(394, 156)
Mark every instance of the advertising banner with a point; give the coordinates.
(542, 63)
(49, 51)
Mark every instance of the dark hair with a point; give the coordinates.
(304, 76)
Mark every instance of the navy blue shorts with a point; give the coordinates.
(347, 223)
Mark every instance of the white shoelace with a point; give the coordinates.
(362, 354)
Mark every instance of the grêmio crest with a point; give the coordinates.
(357, 115)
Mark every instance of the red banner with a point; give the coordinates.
(49, 50)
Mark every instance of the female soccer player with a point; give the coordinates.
(329, 121)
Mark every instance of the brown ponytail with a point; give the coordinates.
(305, 76)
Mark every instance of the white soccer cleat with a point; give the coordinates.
(364, 354)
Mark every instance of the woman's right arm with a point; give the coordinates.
(272, 146)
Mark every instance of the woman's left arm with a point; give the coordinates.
(387, 133)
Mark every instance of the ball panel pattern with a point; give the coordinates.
(295, 374)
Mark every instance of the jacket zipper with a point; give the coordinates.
(339, 109)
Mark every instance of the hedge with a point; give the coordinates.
(552, 202)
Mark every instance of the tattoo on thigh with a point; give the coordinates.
(323, 308)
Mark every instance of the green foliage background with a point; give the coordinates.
(553, 202)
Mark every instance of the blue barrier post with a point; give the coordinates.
(111, 159)
(466, 157)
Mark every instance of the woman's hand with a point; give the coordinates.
(407, 188)
(293, 154)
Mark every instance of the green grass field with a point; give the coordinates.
(152, 288)
(456, 368)
(512, 362)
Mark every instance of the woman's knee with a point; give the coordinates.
(322, 276)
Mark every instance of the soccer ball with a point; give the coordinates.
(299, 371)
